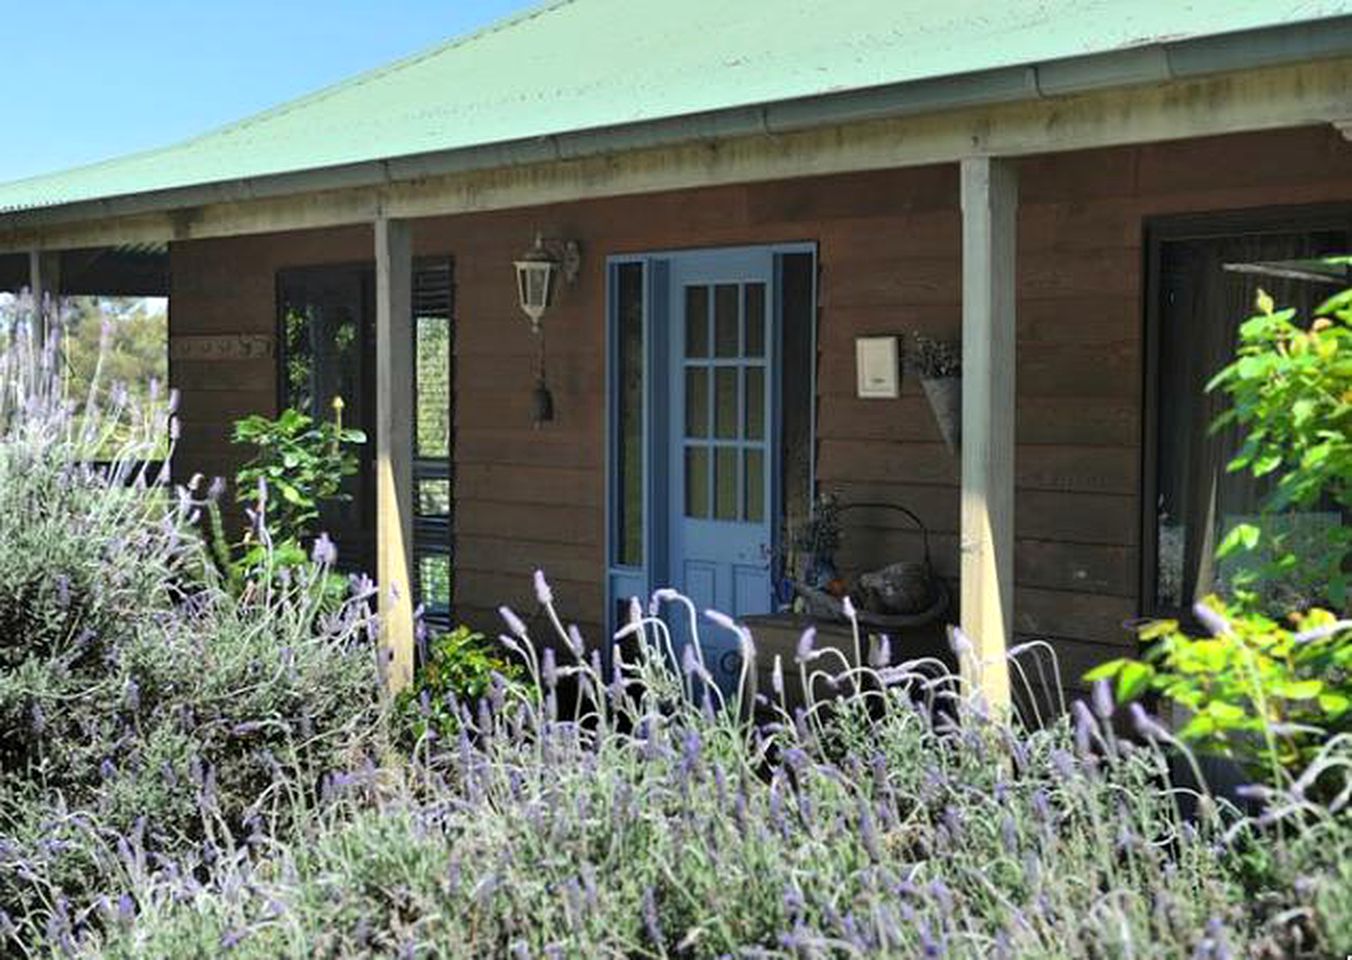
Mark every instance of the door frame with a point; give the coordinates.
(357, 557)
(625, 581)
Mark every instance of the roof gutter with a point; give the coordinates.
(1158, 62)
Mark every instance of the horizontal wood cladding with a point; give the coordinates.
(528, 486)
(890, 263)
(1073, 468)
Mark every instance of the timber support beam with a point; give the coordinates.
(44, 283)
(989, 228)
(394, 446)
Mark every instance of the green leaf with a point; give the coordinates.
(1266, 464)
(1243, 536)
(1334, 704)
(1133, 680)
(1105, 671)
(1298, 689)
(1225, 714)
(1339, 301)
(291, 495)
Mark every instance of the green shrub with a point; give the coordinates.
(302, 461)
(138, 696)
(458, 669)
(1291, 389)
(1256, 692)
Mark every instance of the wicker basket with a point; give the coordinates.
(824, 606)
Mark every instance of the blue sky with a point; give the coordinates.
(91, 79)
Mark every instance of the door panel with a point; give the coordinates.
(722, 438)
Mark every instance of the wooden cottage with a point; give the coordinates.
(746, 207)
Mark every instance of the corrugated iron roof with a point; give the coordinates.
(578, 65)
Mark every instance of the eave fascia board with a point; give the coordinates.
(1133, 67)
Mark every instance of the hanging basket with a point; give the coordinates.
(945, 398)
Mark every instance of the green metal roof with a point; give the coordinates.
(584, 65)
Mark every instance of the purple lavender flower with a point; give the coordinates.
(543, 594)
(1209, 618)
(880, 654)
(650, 920)
(324, 553)
(959, 642)
(1103, 699)
(1145, 725)
(1319, 633)
(549, 670)
(514, 623)
(868, 833)
(805, 642)
(1085, 727)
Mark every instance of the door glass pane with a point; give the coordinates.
(696, 482)
(755, 486)
(726, 319)
(725, 403)
(696, 321)
(725, 483)
(697, 402)
(755, 320)
(755, 403)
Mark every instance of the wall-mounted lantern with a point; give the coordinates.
(537, 273)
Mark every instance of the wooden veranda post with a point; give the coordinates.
(44, 282)
(989, 225)
(394, 444)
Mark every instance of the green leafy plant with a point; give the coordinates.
(459, 669)
(1291, 390)
(304, 463)
(1263, 695)
(934, 359)
(302, 460)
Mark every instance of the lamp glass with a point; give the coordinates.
(535, 282)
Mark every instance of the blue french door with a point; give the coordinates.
(721, 438)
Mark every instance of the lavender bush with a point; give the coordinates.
(141, 703)
(652, 819)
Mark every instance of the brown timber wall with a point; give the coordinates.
(890, 250)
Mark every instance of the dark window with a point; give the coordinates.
(433, 330)
(327, 351)
(1200, 306)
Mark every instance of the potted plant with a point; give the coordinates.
(939, 367)
(817, 540)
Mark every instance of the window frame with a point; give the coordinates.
(1158, 231)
